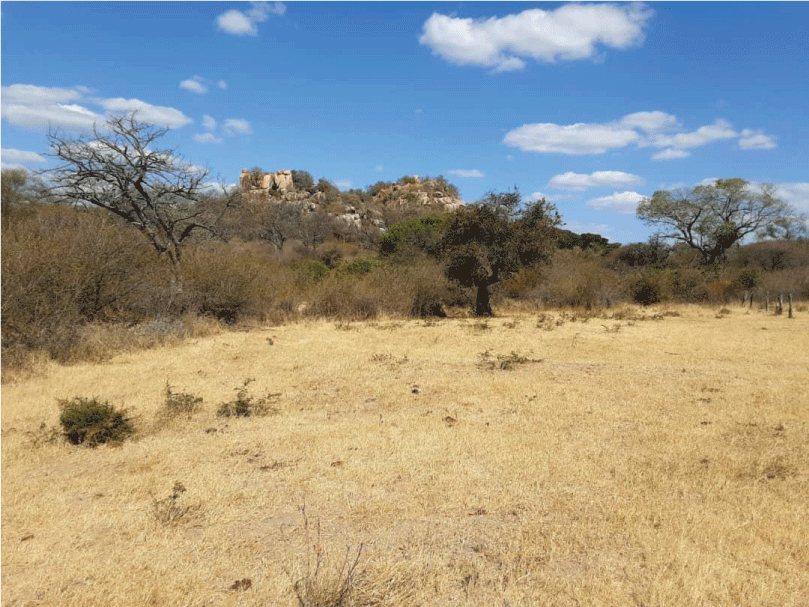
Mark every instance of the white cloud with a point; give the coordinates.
(472, 173)
(195, 85)
(756, 140)
(622, 202)
(795, 194)
(222, 84)
(233, 126)
(533, 197)
(509, 157)
(20, 156)
(206, 138)
(574, 139)
(29, 94)
(650, 121)
(583, 181)
(671, 154)
(343, 185)
(146, 112)
(208, 122)
(640, 128)
(572, 31)
(379, 168)
(720, 129)
(64, 116)
(241, 24)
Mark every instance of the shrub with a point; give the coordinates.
(303, 181)
(88, 421)
(407, 237)
(357, 267)
(246, 405)
(646, 290)
(179, 404)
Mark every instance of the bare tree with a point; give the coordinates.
(279, 223)
(153, 190)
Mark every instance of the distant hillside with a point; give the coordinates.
(381, 204)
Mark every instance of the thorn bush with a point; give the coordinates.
(91, 422)
(246, 405)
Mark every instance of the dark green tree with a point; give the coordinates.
(486, 243)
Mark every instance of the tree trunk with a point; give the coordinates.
(483, 307)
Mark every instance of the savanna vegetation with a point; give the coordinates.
(210, 401)
(81, 281)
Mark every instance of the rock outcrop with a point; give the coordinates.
(261, 184)
(355, 210)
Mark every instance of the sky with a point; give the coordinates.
(593, 106)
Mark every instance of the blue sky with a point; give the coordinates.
(592, 105)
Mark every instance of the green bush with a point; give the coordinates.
(418, 234)
(88, 421)
(357, 267)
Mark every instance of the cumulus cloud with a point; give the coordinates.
(234, 126)
(206, 138)
(649, 122)
(720, 129)
(622, 202)
(195, 85)
(35, 107)
(534, 196)
(756, 140)
(208, 122)
(671, 154)
(656, 129)
(10, 155)
(583, 181)
(146, 112)
(570, 32)
(573, 139)
(472, 173)
(242, 24)
(795, 194)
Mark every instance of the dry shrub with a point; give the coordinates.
(578, 279)
(228, 281)
(63, 268)
(344, 298)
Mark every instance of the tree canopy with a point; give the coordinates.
(486, 243)
(712, 218)
(119, 169)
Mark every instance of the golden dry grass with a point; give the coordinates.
(525, 460)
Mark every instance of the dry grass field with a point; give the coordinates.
(650, 458)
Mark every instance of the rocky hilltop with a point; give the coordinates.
(373, 206)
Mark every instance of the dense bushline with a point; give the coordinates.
(80, 283)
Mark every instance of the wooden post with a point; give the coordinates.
(767, 303)
(790, 305)
(751, 300)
